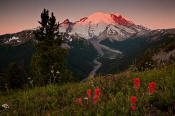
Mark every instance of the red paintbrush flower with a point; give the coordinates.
(89, 93)
(97, 92)
(79, 100)
(136, 83)
(133, 100)
(133, 108)
(151, 88)
(95, 98)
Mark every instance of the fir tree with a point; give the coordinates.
(48, 63)
(14, 78)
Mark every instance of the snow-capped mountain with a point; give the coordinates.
(100, 25)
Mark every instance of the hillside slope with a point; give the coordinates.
(114, 99)
(133, 48)
(80, 49)
(21, 54)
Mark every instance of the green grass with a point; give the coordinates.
(116, 90)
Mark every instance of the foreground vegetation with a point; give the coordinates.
(114, 99)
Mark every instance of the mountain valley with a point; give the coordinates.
(94, 42)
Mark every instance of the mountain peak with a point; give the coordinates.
(117, 14)
(98, 14)
(66, 21)
(83, 19)
(104, 18)
(100, 17)
(118, 18)
(102, 25)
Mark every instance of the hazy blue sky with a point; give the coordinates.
(17, 15)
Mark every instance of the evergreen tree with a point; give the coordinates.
(14, 77)
(145, 62)
(48, 63)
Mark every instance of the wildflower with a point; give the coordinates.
(89, 93)
(136, 83)
(97, 92)
(133, 108)
(57, 72)
(79, 100)
(95, 98)
(86, 98)
(133, 100)
(5, 106)
(28, 78)
(52, 71)
(151, 88)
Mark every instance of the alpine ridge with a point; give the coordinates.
(100, 25)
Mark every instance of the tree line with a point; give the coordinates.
(48, 62)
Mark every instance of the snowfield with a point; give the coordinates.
(101, 24)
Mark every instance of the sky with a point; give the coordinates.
(18, 15)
